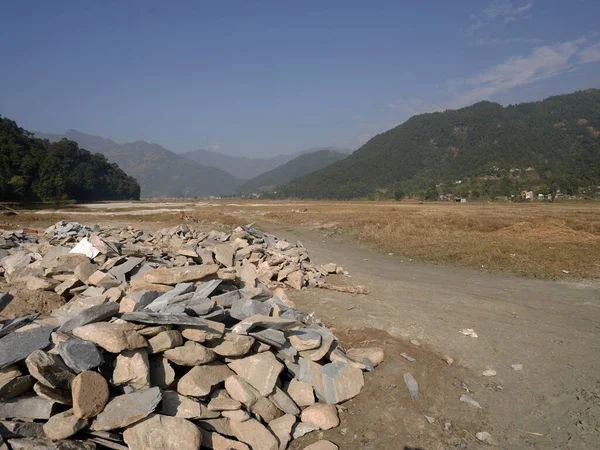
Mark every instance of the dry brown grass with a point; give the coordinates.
(537, 240)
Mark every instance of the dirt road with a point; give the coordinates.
(551, 328)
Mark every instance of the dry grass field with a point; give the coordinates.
(538, 240)
(558, 240)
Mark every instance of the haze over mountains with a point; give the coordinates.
(163, 173)
(246, 168)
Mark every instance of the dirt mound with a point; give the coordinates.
(26, 301)
(546, 231)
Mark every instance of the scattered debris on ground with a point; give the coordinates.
(177, 339)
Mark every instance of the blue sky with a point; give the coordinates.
(259, 78)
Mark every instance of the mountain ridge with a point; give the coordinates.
(303, 164)
(557, 136)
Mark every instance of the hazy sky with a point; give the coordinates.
(267, 77)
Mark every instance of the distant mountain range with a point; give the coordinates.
(300, 166)
(483, 150)
(163, 173)
(246, 168)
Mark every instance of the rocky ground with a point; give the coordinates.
(175, 339)
(550, 328)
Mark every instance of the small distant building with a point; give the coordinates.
(527, 195)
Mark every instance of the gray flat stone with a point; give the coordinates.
(123, 269)
(16, 386)
(27, 408)
(165, 319)
(248, 324)
(271, 337)
(80, 355)
(44, 444)
(19, 345)
(11, 430)
(162, 301)
(228, 298)
(13, 325)
(97, 313)
(206, 289)
(124, 410)
(242, 309)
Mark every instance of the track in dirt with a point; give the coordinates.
(552, 328)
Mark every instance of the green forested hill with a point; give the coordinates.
(298, 167)
(34, 169)
(497, 149)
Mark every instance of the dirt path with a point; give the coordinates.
(552, 328)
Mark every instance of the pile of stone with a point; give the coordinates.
(176, 340)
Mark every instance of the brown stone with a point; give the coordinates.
(63, 425)
(190, 354)
(201, 380)
(90, 394)
(158, 432)
(132, 368)
(165, 341)
(113, 337)
(321, 415)
(177, 275)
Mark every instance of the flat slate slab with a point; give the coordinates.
(96, 313)
(126, 409)
(27, 408)
(165, 319)
(17, 346)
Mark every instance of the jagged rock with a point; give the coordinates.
(255, 434)
(282, 429)
(321, 415)
(224, 254)
(49, 370)
(161, 372)
(80, 355)
(127, 409)
(221, 401)
(302, 393)
(164, 341)
(341, 382)
(174, 404)
(231, 345)
(63, 425)
(241, 391)
(261, 371)
(244, 308)
(200, 380)
(211, 330)
(113, 337)
(133, 369)
(180, 274)
(303, 340)
(239, 415)
(275, 323)
(284, 402)
(266, 409)
(190, 354)
(271, 337)
(54, 395)
(215, 441)
(90, 394)
(84, 270)
(159, 432)
(374, 354)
